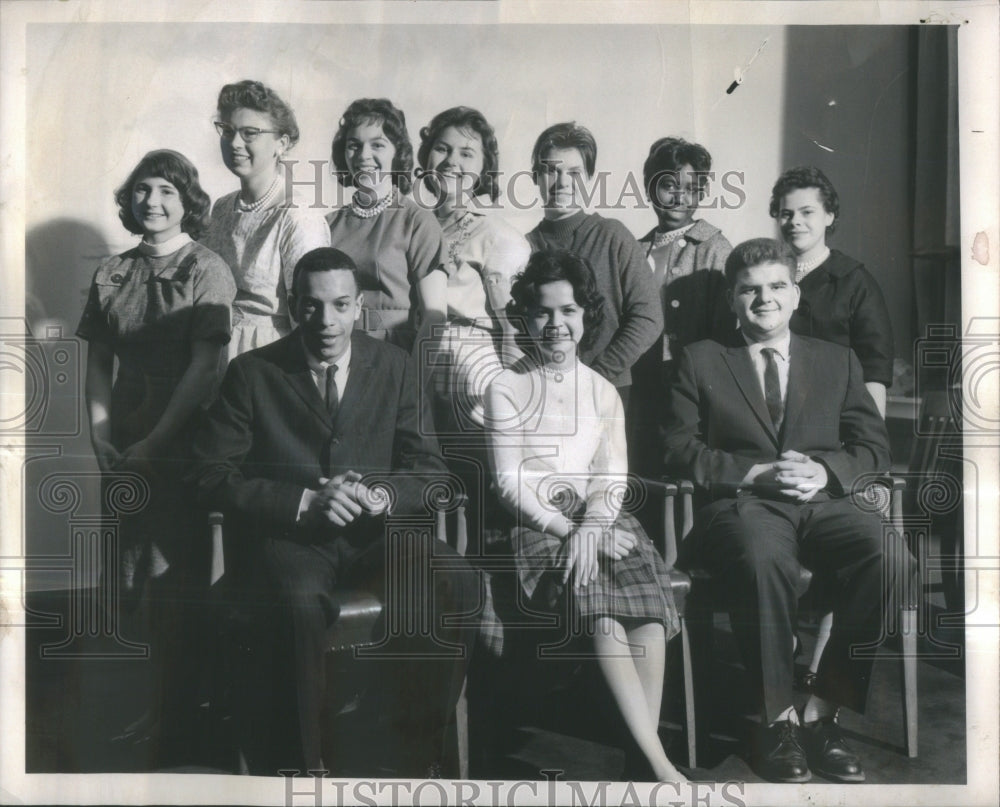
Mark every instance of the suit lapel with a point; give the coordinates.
(741, 366)
(300, 379)
(799, 362)
(358, 381)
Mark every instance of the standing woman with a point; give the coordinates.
(396, 244)
(459, 159)
(841, 301)
(162, 309)
(258, 230)
(557, 446)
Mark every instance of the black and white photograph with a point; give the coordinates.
(500, 402)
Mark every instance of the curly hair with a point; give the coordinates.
(668, 155)
(380, 112)
(565, 136)
(466, 118)
(254, 95)
(550, 266)
(806, 176)
(180, 172)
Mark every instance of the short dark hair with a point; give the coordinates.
(180, 172)
(565, 136)
(323, 259)
(253, 95)
(755, 252)
(466, 118)
(382, 112)
(806, 176)
(668, 155)
(549, 266)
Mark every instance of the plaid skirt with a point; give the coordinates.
(634, 589)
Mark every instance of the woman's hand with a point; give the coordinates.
(107, 455)
(581, 554)
(616, 543)
(140, 457)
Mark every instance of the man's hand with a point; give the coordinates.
(335, 501)
(799, 477)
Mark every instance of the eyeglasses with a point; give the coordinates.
(247, 133)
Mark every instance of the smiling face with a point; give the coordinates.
(562, 174)
(369, 152)
(677, 196)
(158, 208)
(457, 157)
(257, 158)
(326, 305)
(763, 298)
(555, 321)
(804, 220)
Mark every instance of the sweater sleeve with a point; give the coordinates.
(640, 323)
(609, 467)
(871, 328)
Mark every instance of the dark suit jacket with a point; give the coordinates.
(717, 426)
(268, 436)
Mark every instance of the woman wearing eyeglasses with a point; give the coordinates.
(257, 230)
(396, 243)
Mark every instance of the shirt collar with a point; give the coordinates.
(319, 367)
(782, 347)
(167, 247)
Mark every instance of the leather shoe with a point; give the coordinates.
(778, 755)
(827, 752)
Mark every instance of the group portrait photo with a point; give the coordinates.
(594, 402)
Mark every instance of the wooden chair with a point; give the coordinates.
(882, 496)
(355, 628)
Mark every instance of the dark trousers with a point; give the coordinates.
(425, 660)
(753, 548)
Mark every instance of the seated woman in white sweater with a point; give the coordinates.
(558, 457)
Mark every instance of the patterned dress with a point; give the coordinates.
(150, 309)
(262, 248)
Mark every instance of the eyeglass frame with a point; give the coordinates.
(220, 127)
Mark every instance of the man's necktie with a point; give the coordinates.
(332, 395)
(772, 388)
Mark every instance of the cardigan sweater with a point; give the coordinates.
(633, 320)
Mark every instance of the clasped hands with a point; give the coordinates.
(794, 475)
(342, 499)
(590, 541)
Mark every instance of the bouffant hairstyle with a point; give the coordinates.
(254, 95)
(755, 252)
(550, 266)
(466, 118)
(806, 176)
(380, 112)
(667, 156)
(565, 136)
(180, 172)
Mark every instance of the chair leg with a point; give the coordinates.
(908, 628)
(462, 732)
(699, 625)
(689, 710)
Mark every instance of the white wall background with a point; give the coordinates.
(155, 86)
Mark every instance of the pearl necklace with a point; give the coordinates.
(803, 268)
(375, 209)
(261, 203)
(557, 374)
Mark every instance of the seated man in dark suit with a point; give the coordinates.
(287, 451)
(775, 430)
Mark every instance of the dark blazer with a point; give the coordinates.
(717, 425)
(268, 435)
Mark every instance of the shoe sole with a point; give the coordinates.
(838, 777)
(801, 780)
